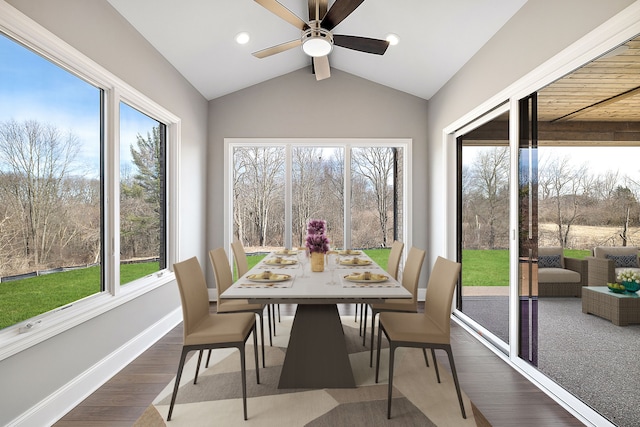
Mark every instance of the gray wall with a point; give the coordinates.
(96, 30)
(538, 31)
(296, 105)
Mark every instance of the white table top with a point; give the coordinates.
(314, 287)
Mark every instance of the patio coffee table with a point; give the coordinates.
(620, 309)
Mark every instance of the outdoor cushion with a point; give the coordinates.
(624, 260)
(549, 261)
(558, 275)
(551, 250)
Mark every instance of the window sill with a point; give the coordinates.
(15, 339)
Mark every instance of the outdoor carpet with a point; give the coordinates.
(216, 400)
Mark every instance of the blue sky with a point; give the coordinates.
(32, 88)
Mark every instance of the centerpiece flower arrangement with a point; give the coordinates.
(630, 279)
(317, 243)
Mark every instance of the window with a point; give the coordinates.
(277, 186)
(142, 207)
(85, 187)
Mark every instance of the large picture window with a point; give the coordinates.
(83, 189)
(357, 187)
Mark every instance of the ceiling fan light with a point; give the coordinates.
(317, 46)
(392, 38)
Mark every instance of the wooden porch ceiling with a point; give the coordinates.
(597, 104)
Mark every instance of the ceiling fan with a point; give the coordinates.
(317, 39)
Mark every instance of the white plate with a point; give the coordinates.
(350, 252)
(376, 278)
(274, 278)
(350, 262)
(286, 252)
(282, 262)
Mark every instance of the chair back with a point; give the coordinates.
(411, 272)
(393, 264)
(442, 283)
(221, 270)
(193, 293)
(240, 257)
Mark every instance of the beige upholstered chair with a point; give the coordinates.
(430, 329)
(203, 330)
(240, 256)
(410, 279)
(560, 276)
(242, 267)
(224, 279)
(607, 261)
(393, 265)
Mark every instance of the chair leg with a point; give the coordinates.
(273, 317)
(424, 351)
(260, 316)
(355, 318)
(243, 369)
(206, 365)
(435, 364)
(269, 319)
(455, 380)
(255, 352)
(378, 355)
(183, 356)
(373, 329)
(278, 313)
(392, 350)
(195, 378)
(365, 308)
(361, 314)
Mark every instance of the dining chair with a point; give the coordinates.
(430, 329)
(410, 280)
(393, 266)
(203, 330)
(224, 279)
(242, 266)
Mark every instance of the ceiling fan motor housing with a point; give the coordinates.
(316, 41)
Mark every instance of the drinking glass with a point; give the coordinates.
(332, 262)
(303, 257)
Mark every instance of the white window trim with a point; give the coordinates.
(404, 143)
(622, 27)
(44, 326)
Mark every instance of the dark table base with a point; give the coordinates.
(317, 352)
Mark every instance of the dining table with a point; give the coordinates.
(316, 356)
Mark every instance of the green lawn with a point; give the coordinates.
(27, 298)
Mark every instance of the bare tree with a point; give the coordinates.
(375, 164)
(262, 182)
(489, 180)
(562, 186)
(35, 160)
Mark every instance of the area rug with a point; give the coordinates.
(216, 400)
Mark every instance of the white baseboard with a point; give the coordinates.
(56, 405)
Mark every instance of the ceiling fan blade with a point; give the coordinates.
(278, 9)
(321, 11)
(363, 44)
(277, 49)
(321, 67)
(339, 10)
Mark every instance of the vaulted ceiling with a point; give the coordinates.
(437, 37)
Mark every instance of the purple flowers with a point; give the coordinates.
(317, 240)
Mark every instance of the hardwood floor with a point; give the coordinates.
(503, 396)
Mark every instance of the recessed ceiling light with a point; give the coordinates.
(393, 39)
(242, 38)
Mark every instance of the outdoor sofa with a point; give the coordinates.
(608, 261)
(560, 276)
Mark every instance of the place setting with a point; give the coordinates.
(267, 279)
(279, 262)
(368, 279)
